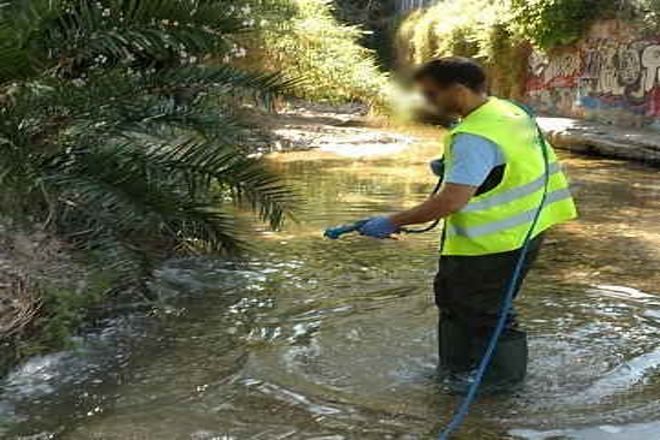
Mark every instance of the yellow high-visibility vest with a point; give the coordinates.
(498, 220)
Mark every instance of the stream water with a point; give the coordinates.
(312, 339)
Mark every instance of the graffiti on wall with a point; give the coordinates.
(615, 80)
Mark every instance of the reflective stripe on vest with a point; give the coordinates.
(513, 194)
(507, 223)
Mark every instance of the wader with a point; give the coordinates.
(469, 292)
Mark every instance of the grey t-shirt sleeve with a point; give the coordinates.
(473, 158)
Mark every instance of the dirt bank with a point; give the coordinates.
(342, 129)
(37, 272)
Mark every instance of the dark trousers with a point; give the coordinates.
(468, 292)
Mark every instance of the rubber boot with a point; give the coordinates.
(507, 369)
(454, 347)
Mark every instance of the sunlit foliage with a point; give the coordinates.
(551, 23)
(118, 131)
(500, 33)
(308, 42)
(473, 28)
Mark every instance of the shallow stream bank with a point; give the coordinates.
(579, 136)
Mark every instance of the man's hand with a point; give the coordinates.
(452, 198)
(379, 227)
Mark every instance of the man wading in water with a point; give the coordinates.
(494, 183)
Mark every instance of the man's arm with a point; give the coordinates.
(473, 159)
(452, 198)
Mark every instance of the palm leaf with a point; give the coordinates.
(122, 136)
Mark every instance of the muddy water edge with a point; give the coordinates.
(311, 339)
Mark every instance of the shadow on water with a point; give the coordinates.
(335, 340)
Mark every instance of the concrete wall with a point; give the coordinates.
(404, 6)
(611, 76)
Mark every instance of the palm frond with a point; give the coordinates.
(122, 136)
(111, 192)
(136, 31)
(20, 57)
(249, 179)
(226, 79)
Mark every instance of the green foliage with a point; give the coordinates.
(644, 13)
(121, 136)
(364, 12)
(471, 28)
(405, 48)
(475, 27)
(65, 312)
(308, 42)
(500, 33)
(70, 36)
(551, 23)
(460, 27)
(377, 17)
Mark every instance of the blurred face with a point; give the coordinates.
(446, 100)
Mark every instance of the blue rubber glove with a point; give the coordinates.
(378, 227)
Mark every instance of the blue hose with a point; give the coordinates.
(464, 408)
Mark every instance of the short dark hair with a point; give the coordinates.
(454, 70)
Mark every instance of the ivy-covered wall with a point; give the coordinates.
(611, 75)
